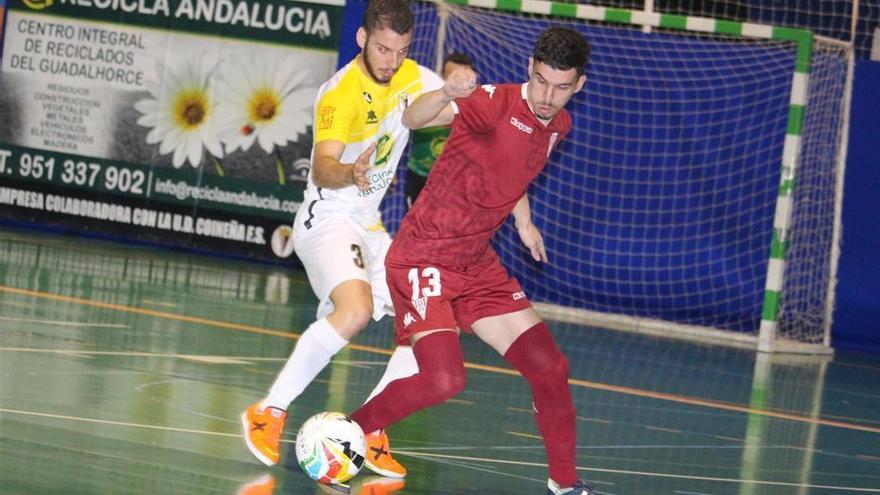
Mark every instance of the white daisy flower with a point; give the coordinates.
(182, 112)
(265, 101)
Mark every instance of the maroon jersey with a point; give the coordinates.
(496, 148)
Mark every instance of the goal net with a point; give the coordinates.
(695, 194)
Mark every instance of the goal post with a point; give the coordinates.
(674, 206)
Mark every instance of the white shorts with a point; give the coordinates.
(337, 250)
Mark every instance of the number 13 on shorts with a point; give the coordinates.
(431, 286)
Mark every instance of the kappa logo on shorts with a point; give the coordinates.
(519, 295)
(408, 319)
(421, 305)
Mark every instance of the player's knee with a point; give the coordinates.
(352, 319)
(361, 316)
(552, 376)
(445, 385)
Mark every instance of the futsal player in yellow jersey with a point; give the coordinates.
(338, 233)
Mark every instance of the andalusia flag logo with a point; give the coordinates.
(384, 146)
(38, 4)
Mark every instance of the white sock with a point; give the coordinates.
(401, 365)
(318, 344)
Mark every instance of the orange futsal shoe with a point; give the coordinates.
(378, 457)
(378, 485)
(262, 432)
(264, 485)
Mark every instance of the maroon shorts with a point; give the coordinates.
(430, 297)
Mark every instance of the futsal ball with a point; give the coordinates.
(330, 448)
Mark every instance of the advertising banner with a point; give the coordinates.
(184, 122)
(2, 19)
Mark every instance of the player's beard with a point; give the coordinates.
(372, 71)
(548, 114)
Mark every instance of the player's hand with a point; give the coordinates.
(461, 83)
(361, 167)
(532, 239)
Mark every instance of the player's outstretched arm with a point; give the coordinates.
(432, 109)
(328, 172)
(529, 234)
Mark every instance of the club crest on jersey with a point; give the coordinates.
(553, 138)
(421, 305)
(371, 117)
(368, 97)
(489, 89)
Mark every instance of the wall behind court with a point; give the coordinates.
(857, 315)
(183, 123)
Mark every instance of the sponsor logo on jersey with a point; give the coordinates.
(489, 89)
(326, 117)
(519, 125)
(384, 146)
(421, 305)
(368, 97)
(408, 319)
(519, 295)
(371, 117)
(379, 181)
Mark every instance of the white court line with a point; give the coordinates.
(116, 423)
(65, 323)
(471, 466)
(192, 357)
(203, 358)
(159, 303)
(643, 473)
(17, 304)
(459, 458)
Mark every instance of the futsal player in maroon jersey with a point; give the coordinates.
(442, 271)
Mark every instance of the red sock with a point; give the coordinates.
(441, 376)
(535, 355)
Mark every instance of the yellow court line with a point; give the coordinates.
(170, 316)
(680, 399)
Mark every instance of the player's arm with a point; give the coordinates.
(433, 108)
(529, 234)
(328, 172)
(334, 117)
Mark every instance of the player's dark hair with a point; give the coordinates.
(394, 14)
(563, 49)
(458, 58)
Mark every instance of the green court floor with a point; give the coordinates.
(124, 370)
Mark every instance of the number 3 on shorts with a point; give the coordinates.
(358, 256)
(431, 276)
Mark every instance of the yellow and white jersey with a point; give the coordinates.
(352, 109)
